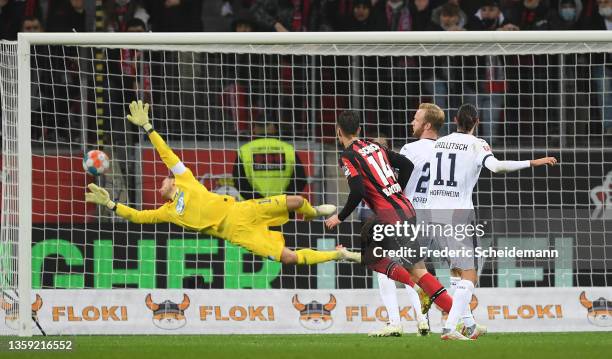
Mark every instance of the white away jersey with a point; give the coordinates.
(418, 153)
(455, 161)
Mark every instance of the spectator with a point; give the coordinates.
(67, 16)
(220, 15)
(337, 12)
(290, 15)
(435, 14)
(421, 15)
(529, 15)
(489, 17)
(588, 15)
(31, 24)
(601, 72)
(117, 13)
(605, 11)
(11, 14)
(395, 14)
(361, 18)
(450, 18)
(175, 15)
(566, 16)
(47, 119)
(244, 22)
(599, 17)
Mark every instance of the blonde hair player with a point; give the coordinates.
(191, 205)
(426, 124)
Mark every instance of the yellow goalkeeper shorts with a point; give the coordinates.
(247, 225)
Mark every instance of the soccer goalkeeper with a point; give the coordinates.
(190, 205)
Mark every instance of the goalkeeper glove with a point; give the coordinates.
(140, 115)
(99, 195)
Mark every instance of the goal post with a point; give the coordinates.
(210, 90)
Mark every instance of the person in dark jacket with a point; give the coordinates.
(566, 16)
(530, 15)
(597, 16)
(67, 16)
(362, 18)
(11, 16)
(489, 17)
(421, 15)
(290, 15)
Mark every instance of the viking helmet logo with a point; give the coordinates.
(167, 314)
(315, 315)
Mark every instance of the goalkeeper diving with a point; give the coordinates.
(191, 205)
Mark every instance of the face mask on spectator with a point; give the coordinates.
(605, 11)
(488, 23)
(568, 14)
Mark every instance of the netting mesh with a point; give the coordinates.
(208, 104)
(10, 185)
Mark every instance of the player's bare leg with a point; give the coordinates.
(311, 256)
(301, 205)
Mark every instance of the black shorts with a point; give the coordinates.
(405, 248)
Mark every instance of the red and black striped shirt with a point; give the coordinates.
(369, 169)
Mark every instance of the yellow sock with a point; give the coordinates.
(310, 256)
(307, 209)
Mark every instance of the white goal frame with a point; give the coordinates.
(373, 43)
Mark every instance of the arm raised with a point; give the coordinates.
(139, 116)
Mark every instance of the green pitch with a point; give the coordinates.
(492, 346)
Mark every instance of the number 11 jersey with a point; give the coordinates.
(455, 165)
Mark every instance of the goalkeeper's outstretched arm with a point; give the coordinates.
(139, 116)
(99, 195)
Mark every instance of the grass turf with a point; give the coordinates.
(336, 346)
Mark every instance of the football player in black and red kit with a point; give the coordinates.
(369, 170)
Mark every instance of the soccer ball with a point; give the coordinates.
(95, 162)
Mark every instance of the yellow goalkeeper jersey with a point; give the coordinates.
(193, 207)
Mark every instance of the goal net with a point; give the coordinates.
(255, 116)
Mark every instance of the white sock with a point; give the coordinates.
(468, 317)
(413, 298)
(387, 289)
(453, 285)
(461, 299)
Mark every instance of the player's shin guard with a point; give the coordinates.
(307, 209)
(461, 300)
(436, 291)
(392, 270)
(310, 256)
(388, 294)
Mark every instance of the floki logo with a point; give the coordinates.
(602, 198)
(599, 311)
(168, 315)
(315, 315)
(11, 310)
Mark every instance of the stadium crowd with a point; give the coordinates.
(510, 88)
(310, 15)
